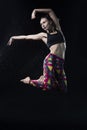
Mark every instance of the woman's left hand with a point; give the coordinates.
(33, 15)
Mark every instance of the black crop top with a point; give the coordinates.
(54, 38)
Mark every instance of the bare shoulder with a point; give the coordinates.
(43, 34)
(44, 37)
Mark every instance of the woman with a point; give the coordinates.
(54, 76)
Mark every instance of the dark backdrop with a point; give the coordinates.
(22, 106)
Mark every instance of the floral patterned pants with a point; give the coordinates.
(54, 76)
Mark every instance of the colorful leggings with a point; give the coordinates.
(53, 74)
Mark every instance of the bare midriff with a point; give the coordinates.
(58, 50)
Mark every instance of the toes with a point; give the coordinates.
(21, 80)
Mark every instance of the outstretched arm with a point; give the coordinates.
(49, 11)
(38, 36)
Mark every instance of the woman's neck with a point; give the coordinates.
(52, 30)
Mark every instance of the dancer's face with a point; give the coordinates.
(45, 24)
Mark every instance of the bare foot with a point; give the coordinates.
(25, 80)
(41, 78)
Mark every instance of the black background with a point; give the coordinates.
(22, 106)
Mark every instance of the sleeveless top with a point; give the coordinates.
(56, 38)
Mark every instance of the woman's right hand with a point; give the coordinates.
(10, 41)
